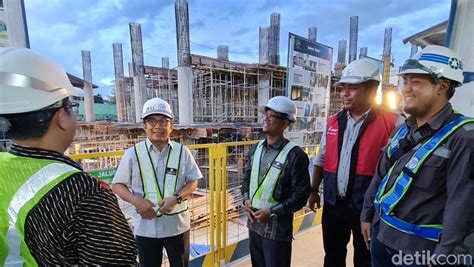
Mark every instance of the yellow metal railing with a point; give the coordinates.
(218, 158)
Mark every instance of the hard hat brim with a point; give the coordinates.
(412, 71)
(37, 99)
(156, 113)
(353, 81)
(262, 109)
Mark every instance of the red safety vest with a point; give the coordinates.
(376, 132)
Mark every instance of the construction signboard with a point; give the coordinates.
(105, 175)
(308, 83)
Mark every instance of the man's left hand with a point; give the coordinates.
(168, 204)
(262, 215)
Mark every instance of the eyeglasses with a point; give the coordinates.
(272, 116)
(414, 64)
(161, 122)
(74, 106)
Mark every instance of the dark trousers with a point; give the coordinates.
(150, 250)
(269, 253)
(384, 256)
(338, 222)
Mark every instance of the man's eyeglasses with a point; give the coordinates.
(74, 106)
(272, 116)
(161, 122)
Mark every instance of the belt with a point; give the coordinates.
(341, 199)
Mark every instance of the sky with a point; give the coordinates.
(61, 29)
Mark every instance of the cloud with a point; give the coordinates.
(61, 29)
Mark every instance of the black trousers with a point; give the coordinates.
(269, 253)
(150, 250)
(338, 222)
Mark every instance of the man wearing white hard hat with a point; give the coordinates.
(52, 213)
(421, 198)
(275, 184)
(350, 147)
(161, 174)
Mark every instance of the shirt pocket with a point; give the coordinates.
(432, 175)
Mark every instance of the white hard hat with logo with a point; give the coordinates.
(281, 104)
(359, 71)
(30, 82)
(157, 106)
(436, 61)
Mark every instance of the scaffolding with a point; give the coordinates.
(335, 101)
(227, 92)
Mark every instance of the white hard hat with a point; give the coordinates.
(436, 61)
(281, 104)
(30, 82)
(157, 106)
(359, 71)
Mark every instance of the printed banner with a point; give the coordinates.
(308, 83)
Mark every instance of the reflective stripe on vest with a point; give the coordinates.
(152, 189)
(385, 202)
(395, 144)
(18, 209)
(262, 194)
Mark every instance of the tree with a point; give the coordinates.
(98, 99)
(113, 97)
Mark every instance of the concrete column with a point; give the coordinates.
(353, 34)
(263, 92)
(139, 84)
(118, 70)
(185, 95)
(312, 33)
(88, 94)
(263, 45)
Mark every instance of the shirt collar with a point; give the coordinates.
(276, 145)
(364, 115)
(435, 122)
(151, 147)
(34, 152)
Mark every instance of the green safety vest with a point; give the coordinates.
(386, 199)
(23, 183)
(261, 194)
(151, 188)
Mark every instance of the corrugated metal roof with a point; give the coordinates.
(432, 36)
(78, 82)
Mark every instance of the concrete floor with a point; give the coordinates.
(307, 251)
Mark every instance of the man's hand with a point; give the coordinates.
(144, 207)
(262, 215)
(249, 211)
(314, 198)
(365, 229)
(168, 204)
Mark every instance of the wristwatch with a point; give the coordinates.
(179, 199)
(273, 216)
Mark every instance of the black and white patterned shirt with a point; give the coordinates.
(78, 222)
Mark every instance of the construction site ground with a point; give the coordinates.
(307, 250)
